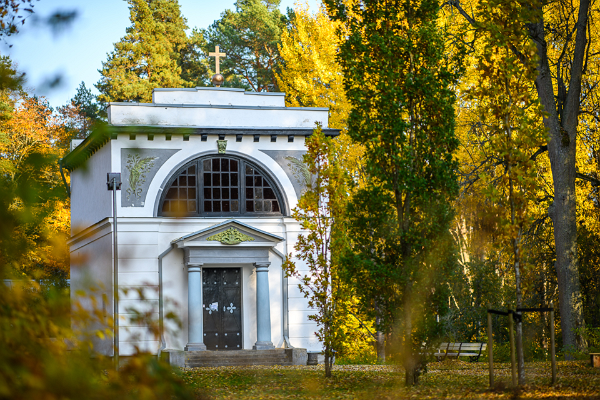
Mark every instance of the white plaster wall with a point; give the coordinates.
(138, 282)
(90, 199)
(91, 274)
(276, 297)
(175, 292)
(302, 330)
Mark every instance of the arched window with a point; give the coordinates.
(220, 186)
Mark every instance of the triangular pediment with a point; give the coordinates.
(228, 233)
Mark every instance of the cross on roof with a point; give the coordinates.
(216, 54)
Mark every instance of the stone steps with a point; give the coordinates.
(242, 358)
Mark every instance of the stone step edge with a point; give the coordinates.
(179, 358)
(236, 365)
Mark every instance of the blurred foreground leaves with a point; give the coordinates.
(41, 355)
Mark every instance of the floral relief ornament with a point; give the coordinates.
(300, 172)
(138, 168)
(230, 236)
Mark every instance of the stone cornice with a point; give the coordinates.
(101, 135)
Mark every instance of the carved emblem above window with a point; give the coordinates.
(221, 146)
(230, 236)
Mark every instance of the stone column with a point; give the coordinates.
(263, 308)
(195, 312)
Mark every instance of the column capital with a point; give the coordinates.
(194, 267)
(262, 266)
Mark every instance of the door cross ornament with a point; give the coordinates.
(230, 308)
(213, 307)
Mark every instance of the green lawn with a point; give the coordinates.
(449, 379)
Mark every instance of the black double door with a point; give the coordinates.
(222, 304)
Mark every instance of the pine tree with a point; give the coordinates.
(249, 36)
(153, 54)
(80, 115)
(398, 81)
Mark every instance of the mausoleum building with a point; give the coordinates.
(209, 179)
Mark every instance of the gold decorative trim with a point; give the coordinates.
(230, 236)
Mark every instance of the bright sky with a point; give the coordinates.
(77, 53)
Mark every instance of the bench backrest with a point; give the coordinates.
(463, 346)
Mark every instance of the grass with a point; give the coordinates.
(446, 380)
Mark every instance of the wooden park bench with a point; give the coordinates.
(472, 350)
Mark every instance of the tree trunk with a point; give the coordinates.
(519, 319)
(562, 128)
(380, 345)
(328, 362)
(519, 327)
(407, 350)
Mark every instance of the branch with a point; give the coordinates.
(456, 4)
(594, 181)
(539, 151)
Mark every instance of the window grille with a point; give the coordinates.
(220, 186)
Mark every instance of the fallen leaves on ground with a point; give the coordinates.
(445, 380)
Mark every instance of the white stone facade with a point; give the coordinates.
(180, 126)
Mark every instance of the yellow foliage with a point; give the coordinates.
(30, 135)
(311, 76)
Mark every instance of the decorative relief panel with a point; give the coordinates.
(230, 236)
(138, 168)
(291, 162)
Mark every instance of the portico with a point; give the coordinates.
(230, 243)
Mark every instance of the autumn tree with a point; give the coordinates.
(502, 94)
(562, 35)
(154, 53)
(249, 36)
(311, 75)
(397, 79)
(320, 212)
(29, 136)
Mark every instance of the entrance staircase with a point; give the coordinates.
(237, 358)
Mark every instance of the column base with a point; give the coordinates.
(263, 346)
(195, 347)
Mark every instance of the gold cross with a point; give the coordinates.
(216, 55)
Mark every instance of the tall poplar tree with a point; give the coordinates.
(398, 79)
(154, 53)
